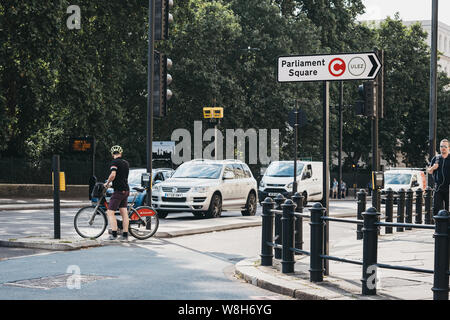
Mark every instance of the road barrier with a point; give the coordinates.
(283, 240)
(406, 210)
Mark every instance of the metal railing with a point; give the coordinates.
(282, 240)
(406, 209)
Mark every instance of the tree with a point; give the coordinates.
(405, 126)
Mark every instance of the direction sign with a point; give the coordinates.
(329, 67)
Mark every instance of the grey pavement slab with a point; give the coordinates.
(13, 204)
(413, 248)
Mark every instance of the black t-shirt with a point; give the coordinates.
(442, 174)
(122, 168)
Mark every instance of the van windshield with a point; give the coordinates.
(397, 178)
(283, 169)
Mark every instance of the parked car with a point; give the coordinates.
(403, 178)
(134, 180)
(206, 187)
(279, 176)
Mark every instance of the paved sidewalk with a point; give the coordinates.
(414, 248)
(8, 204)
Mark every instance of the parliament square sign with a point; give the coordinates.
(330, 67)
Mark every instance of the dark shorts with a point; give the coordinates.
(119, 199)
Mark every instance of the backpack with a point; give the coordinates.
(97, 191)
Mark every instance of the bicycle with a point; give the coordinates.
(91, 221)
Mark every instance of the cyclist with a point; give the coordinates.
(119, 169)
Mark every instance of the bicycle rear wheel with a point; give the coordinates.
(144, 222)
(90, 223)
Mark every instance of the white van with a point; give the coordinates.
(403, 178)
(279, 178)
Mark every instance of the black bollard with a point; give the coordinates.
(419, 204)
(428, 209)
(267, 232)
(401, 208)
(362, 201)
(287, 221)
(370, 248)
(409, 207)
(389, 208)
(279, 199)
(441, 256)
(317, 230)
(298, 238)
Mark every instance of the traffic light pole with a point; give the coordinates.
(151, 46)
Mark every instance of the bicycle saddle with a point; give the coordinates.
(139, 189)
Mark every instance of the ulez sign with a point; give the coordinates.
(329, 67)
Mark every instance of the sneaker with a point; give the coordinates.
(111, 237)
(124, 239)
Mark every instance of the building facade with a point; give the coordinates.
(443, 42)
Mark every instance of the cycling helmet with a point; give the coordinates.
(116, 149)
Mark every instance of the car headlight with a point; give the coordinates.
(156, 188)
(290, 185)
(262, 184)
(200, 189)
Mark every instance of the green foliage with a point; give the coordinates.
(57, 83)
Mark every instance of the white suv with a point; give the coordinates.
(205, 187)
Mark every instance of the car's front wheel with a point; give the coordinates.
(215, 207)
(250, 206)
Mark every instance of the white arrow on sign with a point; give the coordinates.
(330, 67)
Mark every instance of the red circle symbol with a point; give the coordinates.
(337, 67)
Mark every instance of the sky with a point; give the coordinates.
(408, 9)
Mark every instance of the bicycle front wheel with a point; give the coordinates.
(90, 223)
(144, 222)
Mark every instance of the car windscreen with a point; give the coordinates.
(397, 178)
(198, 171)
(283, 169)
(134, 176)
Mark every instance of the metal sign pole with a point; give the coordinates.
(294, 186)
(326, 167)
(56, 200)
(341, 105)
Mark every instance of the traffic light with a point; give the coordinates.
(162, 19)
(161, 79)
(367, 103)
(360, 108)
